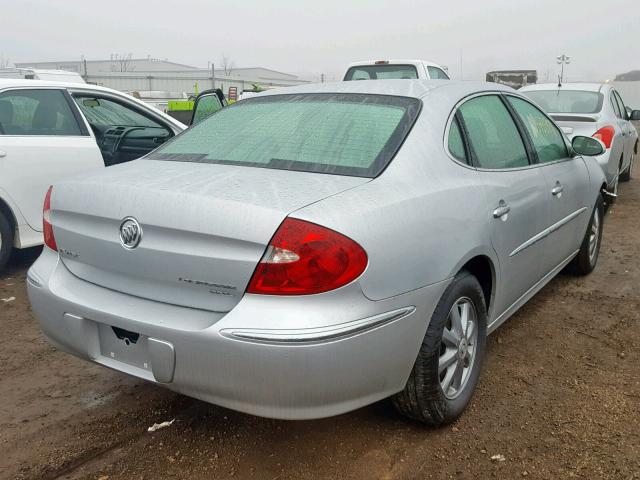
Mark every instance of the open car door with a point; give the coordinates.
(207, 103)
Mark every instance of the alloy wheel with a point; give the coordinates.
(458, 347)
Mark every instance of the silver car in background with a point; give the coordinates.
(318, 248)
(593, 110)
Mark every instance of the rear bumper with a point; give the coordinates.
(287, 357)
(603, 161)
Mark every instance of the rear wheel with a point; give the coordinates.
(587, 258)
(448, 366)
(6, 240)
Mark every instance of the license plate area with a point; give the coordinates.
(124, 346)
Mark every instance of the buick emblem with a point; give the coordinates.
(130, 233)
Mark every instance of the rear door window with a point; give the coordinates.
(614, 105)
(381, 72)
(45, 112)
(546, 138)
(492, 133)
(623, 109)
(341, 134)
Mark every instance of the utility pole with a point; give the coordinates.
(562, 60)
(213, 75)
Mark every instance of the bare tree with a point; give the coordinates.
(227, 65)
(122, 62)
(4, 61)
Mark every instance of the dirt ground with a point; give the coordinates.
(559, 397)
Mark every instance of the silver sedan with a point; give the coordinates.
(596, 110)
(315, 249)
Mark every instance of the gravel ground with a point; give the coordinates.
(559, 397)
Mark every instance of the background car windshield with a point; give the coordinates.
(381, 72)
(100, 111)
(567, 101)
(342, 134)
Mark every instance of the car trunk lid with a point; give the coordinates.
(204, 227)
(577, 124)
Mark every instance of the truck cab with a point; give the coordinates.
(395, 69)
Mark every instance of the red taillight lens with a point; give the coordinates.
(47, 228)
(304, 258)
(605, 135)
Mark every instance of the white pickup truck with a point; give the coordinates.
(395, 69)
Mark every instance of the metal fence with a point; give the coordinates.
(187, 82)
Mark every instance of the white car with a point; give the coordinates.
(39, 74)
(53, 130)
(593, 110)
(395, 69)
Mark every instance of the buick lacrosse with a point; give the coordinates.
(318, 248)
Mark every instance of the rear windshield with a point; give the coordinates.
(381, 72)
(341, 134)
(567, 101)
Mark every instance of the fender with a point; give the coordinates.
(15, 216)
(5, 198)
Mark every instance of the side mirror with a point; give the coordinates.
(635, 116)
(588, 146)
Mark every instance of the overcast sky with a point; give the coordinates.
(603, 38)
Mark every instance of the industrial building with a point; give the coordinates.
(151, 74)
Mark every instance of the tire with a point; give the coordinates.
(6, 240)
(424, 398)
(626, 175)
(585, 262)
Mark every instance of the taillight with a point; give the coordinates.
(605, 135)
(304, 258)
(47, 228)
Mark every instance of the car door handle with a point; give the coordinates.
(501, 211)
(557, 190)
(3, 154)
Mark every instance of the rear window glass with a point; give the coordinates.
(566, 101)
(381, 72)
(342, 134)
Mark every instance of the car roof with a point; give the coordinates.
(582, 86)
(396, 61)
(397, 87)
(19, 82)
